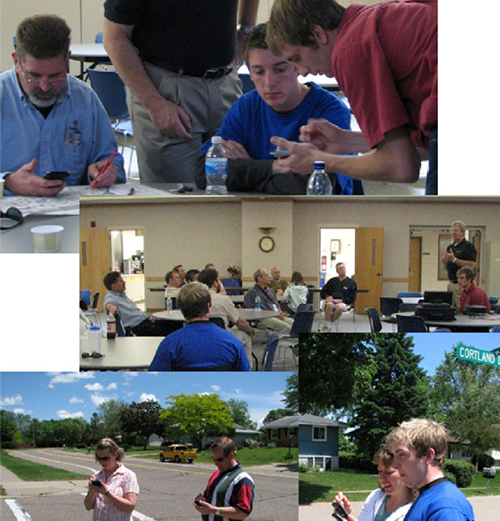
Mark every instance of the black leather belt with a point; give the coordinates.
(209, 74)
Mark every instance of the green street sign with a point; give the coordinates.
(471, 354)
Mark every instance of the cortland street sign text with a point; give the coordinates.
(477, 355)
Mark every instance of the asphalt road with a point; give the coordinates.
(166, 490)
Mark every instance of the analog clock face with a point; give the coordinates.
(266, 244)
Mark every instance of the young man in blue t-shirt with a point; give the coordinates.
(420, 447)
(278, 106)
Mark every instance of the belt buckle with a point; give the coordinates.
(215, 74)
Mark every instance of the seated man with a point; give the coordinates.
(223, 307)
(174, 283)
(268, 301)
(471, 294)
(192, 275)
(51, 121)
(279, 106)
(133, 319)
(339, 293)
(181, 270)
(277, 284)
(199, 345)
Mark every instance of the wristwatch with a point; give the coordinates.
(217, 512)
(245, 28)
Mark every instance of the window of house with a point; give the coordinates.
(319, 433)
(275, 434)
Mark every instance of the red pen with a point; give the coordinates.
(103, 169)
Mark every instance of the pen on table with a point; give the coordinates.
(103, 169)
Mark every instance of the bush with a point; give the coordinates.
(462, 470)
(271, 445)
(250, 443)
(303, 467)
(485, 460)
(352, 461)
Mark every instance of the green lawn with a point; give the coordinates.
(323, 486)
(30, 471)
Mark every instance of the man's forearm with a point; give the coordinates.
(118, 44)
(247, 12)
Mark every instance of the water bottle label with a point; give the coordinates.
(216, 165)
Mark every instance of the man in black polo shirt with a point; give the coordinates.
(458, 254)
(175, 57)
(339, 293)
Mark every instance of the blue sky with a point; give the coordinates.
(432, 346)
(65, 395)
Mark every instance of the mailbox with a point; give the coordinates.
(489, 472)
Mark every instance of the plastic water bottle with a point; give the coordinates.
(258, 303)
(216, 168)
(319, 183)
(169, 304)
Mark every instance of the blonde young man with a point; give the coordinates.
(420, 447)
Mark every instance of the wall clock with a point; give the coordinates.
(266, 244)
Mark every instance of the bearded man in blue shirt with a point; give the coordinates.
(50, 120)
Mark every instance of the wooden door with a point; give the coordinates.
(415, 273)
(95, 261)
(369, 267)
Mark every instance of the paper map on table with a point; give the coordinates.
(67, 202)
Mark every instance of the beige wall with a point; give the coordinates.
(227, 233)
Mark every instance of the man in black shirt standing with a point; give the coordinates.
(458, 254)
(339, 293)
(176, 59)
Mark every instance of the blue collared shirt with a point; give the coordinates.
(76, 133)
(130, 314)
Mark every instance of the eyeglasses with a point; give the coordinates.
(15, 217)
(104, 458)
(34, 79)
(219, 460)
(95, 354)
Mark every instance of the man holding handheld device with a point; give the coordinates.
(51, 121)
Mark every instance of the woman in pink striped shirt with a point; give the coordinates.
(114, 489)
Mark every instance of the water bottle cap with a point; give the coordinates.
(216, 140)
(319, 164)
(95, 328)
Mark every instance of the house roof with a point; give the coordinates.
(304, 419)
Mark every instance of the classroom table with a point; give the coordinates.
(19, 239)
(93, 53)
(127, 352)
(462, 323)
(250, 315)
(238, 299)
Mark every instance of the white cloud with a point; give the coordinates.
(11, 400)
(69, 378)
(22, 411)
(97, 399)
(75, 399)
(111, 387)
(62, 414)
(94, 387)
(216, 388)
(145, 397)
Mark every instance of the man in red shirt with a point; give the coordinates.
(384, 57)
(471, 295)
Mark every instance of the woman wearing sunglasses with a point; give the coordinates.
(113, 490)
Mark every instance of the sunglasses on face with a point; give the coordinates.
(14, 217)
(104, 458)
(219, 459)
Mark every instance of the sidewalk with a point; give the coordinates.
(485, 509)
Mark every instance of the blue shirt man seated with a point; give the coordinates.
(135, 321)
(51, 121)
(199, 345)
(278, 106)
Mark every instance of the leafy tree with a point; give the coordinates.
(10, 435)
(240, 413)
(197, 416)
(107, 420)
(291, 392)
(276, 414)
(334, 370)
(24, 422)
(398, 391)
(466, 396)
(141, 418)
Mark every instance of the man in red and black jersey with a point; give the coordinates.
(230, 490)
